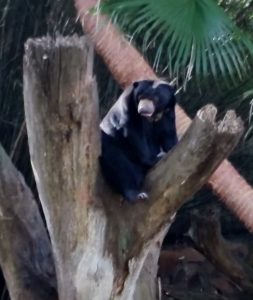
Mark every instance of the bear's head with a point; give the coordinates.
(153, 97)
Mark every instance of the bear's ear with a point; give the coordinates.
(135, 84)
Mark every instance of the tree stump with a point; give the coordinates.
(101, 248)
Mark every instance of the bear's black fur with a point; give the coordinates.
(136, 132)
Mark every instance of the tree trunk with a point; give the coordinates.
(99, 244)
(127, 65)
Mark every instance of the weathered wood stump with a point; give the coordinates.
(102, 249)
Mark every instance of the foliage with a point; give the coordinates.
(240, 11)
(195, 36)
(246, 95)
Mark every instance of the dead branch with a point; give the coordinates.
(25, 250)
(206, 234)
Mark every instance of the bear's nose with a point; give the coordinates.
(146, 107)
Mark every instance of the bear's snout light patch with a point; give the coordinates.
(146, 108)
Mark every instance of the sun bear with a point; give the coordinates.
(136, 132)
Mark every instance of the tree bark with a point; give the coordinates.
(25, 250)
(99, 244)
(62, 122)
(127, 65)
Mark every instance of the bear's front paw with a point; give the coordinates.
(135, 196)
(142, 196)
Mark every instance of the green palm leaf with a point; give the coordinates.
(192, 35)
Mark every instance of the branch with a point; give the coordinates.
(201, 150)
(206, 234)
(25, 250)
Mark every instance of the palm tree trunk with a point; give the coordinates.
(126, 64)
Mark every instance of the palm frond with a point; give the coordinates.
(190, 35)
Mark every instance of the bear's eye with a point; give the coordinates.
(156, 98)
